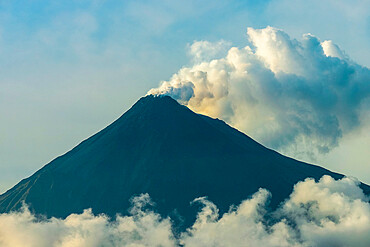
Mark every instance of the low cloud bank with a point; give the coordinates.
(323, 213)
(283, 92)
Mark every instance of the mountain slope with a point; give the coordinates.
(162, 148)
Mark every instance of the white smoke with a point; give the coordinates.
(324, 213)
(283, 92)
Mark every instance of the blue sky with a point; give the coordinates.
(69, 68)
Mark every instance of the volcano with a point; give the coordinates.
(164, 149)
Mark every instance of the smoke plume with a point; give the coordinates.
(283, 92)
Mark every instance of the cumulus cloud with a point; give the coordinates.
(324, 213)
(330, 213)
(285, 93)
(79, 230)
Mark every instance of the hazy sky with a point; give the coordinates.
(69, 68)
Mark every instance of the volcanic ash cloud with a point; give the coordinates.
(283, 92)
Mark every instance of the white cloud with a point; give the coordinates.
(79, 230)
(330, 213)
(332, 50)
(299, 97)
(323, 213)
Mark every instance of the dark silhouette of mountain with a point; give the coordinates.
(162, 148)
